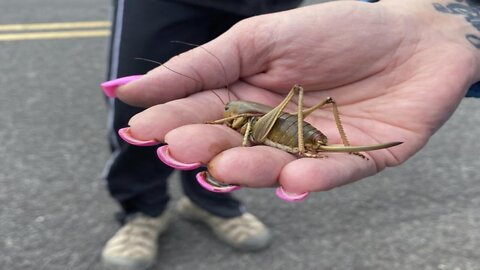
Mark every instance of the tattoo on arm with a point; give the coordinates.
(470, 9)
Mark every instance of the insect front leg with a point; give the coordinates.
(300, 117)
(246, 131)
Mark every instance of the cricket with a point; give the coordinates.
(261, 124)
(264, 125)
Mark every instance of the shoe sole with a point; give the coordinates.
(199, 220)
(122, 264)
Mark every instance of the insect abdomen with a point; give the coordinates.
(285, 132)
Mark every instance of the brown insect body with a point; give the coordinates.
(262, 124)
(284, 133)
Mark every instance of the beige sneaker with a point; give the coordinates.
(245, 232)
(134, 246)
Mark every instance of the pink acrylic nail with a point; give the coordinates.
(290, 197)
(165, 157)
(208, 183)
(125, 134)
(110, 87)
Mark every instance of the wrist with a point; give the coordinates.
(454, 21)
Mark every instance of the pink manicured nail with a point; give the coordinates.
(208, 183)
(125, 134)
(110, 87)
(165, 157)
(290, 197)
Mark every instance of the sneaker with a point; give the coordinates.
(245, 232)
(134, 246)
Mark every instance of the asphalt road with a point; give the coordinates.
(56, 214)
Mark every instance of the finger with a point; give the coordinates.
(257, 166)
(154, 122)
(213, 65)
(320, 174)
(186, 146)
(263, 166)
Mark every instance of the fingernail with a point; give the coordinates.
(110, 87)
(125, 134)
(165, 157)
(209, 183)
(290, 197)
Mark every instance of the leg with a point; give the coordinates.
(338, 122)
(248, 130)
(300, 117)
(336, 116)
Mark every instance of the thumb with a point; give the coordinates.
(209, 66)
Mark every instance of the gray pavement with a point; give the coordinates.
(56, 214)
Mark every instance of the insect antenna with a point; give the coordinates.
(161, 64)
(176, 72)
(218, 60)
(218, 96)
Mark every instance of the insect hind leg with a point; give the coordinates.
(341, 131)
(338, 121)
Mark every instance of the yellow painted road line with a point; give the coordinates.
(54, 35)
(53, 26)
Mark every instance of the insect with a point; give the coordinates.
(261, 124)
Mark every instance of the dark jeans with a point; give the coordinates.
(144, 28)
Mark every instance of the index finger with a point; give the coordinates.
(156, 121)
(212, 65)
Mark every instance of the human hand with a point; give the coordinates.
(397, 69)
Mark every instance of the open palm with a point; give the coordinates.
(393, 77)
